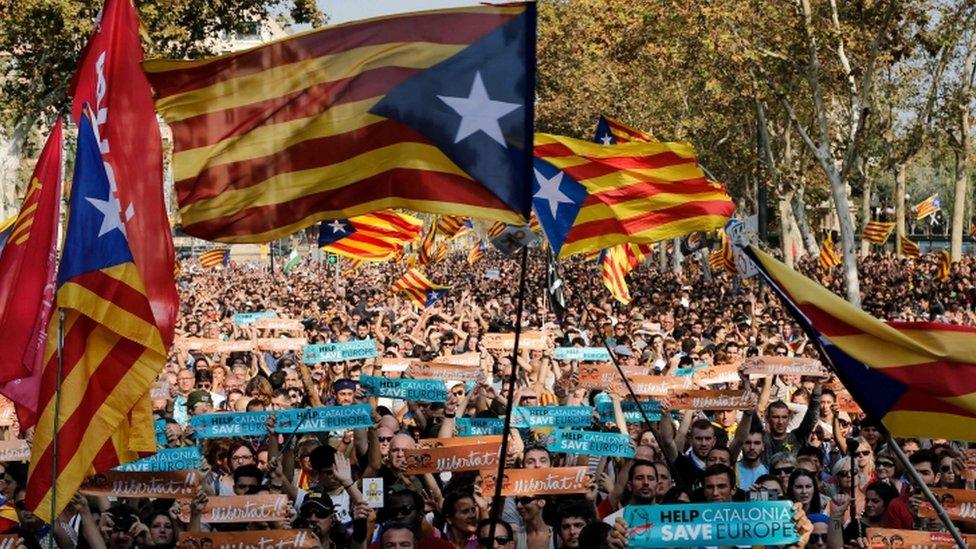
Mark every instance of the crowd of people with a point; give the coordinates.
(797, 444)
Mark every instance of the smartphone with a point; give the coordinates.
(760, 494)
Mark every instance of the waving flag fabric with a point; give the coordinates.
(715, 260)
(476, 252)
(429, 111)
(612, 132)
(618, 261)
(425, 253)
(909, 248)
(927, 207)
(590, 196)
(944, 270)
(6, 227)
(112, 350)
(919, 378)
(829, 258)
(212, 259)
(440, 252)
(877, 232)
(421, 291)
(450, 226)
(377, 236)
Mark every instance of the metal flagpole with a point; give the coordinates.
(57, 420)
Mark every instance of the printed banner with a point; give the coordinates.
(713, 375)
(887, 538)
(479, 426)
(959, 504)
(424, 390)
(471, 457)
(538, 482)
(246, 319)
(299, 420)
(531, 417)
(631, 409)
(445, 372)
(14, 450)
(282, 324)
(282, 343)
(256, 539)
(710, 400)
(591, 443)
(766, 523)
(390, 364)
(166, 459)
(337, 352)
(602, 376)
(581, 353)
(535, 341)
(452, 442)
(229, 509)
(783, 366)
(163, 485)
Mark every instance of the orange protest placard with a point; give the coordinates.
(195, 343)
(470, 457)
(535, 341)
(602, 375)
(442, 371)
(657, 386)
(458, 441)
(887, 538)
(279, 539)
(236, 346)
(279, 324)
(783, 366)
(463, 359)
(710, 400)
(959, 504)
(969, 473)
(228, 509)
(165, 485)
(14, 450)
(538, 482)
(282, 343)
(712, 375)
(392, 364)
(845, 402)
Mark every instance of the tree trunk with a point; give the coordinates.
(803, 224)
(838, 190)
(786, 228)
(962, 173)
(899, 206)
(662, 257)
(676, 256)
(865, 215)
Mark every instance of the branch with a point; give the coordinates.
(814, 76)
(817, 152)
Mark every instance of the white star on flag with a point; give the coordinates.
(337, 226)
(111, 212)
(479, 112)
(549, 191)
(606, 139)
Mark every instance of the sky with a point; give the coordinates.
(340, 11)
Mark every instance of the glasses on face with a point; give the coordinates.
(385, 439)
(525, 500)
(818, 538)
(844, 423)
(886, 464)
(205, 385)
(783, 470)
(402, 511)
(863, 453)
(946, 469)
(243, 458)
(316, 511)
(500, 540)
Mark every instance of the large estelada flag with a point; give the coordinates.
(589, 196)
(927, 207)
(419, 289)
(112, 349)
(376, 236)
(428, 111)
(919, 378)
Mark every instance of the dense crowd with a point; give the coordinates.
(801, 442)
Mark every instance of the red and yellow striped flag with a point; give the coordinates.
(376, 236)
(945, 266)
(877, 232)
(715, 260)
(610, 131)
(909, 248)
(496, 229)
(450, 226)
(728, 258)
(425, 254)
(616, 263)
(476, 252)
(421, 291)
(212, 259)
(927, 207)
(829, 258)
(441, 252)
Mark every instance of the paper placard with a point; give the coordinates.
(710, 400)
(766, 523)
(713, 375)
(390, 364)
(235, 346)
(631, 410)
(166, 459)
(969, 473)
(479, 426)
(159, 390)
(164, 485)
(845, 403)
(9, 541)
(532, 417)
(373, 491)
(445, 372)
(14, 450)
(591, 443)
(451, 442)
(231, 509)
(535, 341)
(513, 238)
(249, 539)
(581, 353)
(471, 457)
(959, 504)
(463, 359)
(886, 538)
(246, 319)
(783, 366)
(354, 349)
(602, 376)
(538, 482)
(424, 390)
(282, 324)
(655, 386)
(296, 420)
(196, 343)
(282, 343)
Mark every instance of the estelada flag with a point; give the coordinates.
(618, 261)
(611, 132)
(918, 378)
(376, 236)
(828, 255)
(429, 111)
(27, 267)
(421, 291)
(111, 82)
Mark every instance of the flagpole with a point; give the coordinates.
(57, 421)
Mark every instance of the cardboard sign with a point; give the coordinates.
(532, 417)
(713, 375)
(655, 386)
(535, 341)
(539, 482)
(513, 238)
(783, 366)
(479, 426)
(493, 274)
(166, 459)
(471, 457)
(591, 443)
(710, 400)
(424, 390)
(373, 491)
(196, 343)
(959, 504)
(845, 402)
(463, 359)
(969, 473)
(390, 364)
(159, 390)
(766, 523)
(14, 450)
(296, 420)
(230, 509)
(601, 376)
(235, 346)
(355, 349)
(581, 353)
(249, 539)
(445, 372)
(246, 319)
(282, 343)
(886, 538)
(452, 442)
(282, 324)
(164, 485)
(631, 410)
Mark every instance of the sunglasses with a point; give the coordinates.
(402, 511)
(500, 540)
(783, 470)
(946, 469)
(886, 464)
(525, 500)
(818, 538)
(385, 439)
(316, 511)
(864, 453)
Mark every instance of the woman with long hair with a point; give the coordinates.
(804, 489)
(163, 530)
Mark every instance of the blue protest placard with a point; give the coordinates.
(354, 349)
(581, 353)
(246, 319)
(166, 459)
(531, 417)
(591, 443)
(479, 426)
(299, 420)
(424, 390)
(631, 411)
(767, 523)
